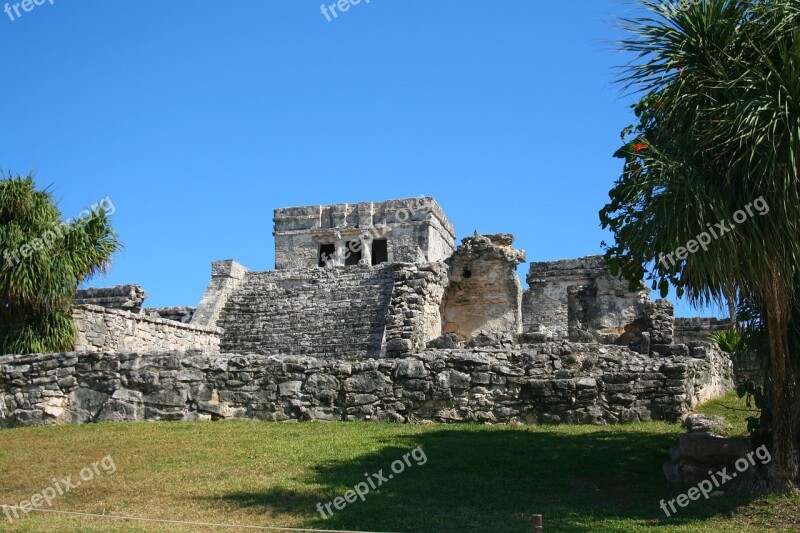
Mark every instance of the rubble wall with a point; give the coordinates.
(533, 384)
(699, 328)
(101, 329)
(415, 316)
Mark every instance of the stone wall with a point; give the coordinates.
(181, 314)
(414, 316)
(226, 277)
(547, 383)
(699, 328)
(124, 297)
(652, 332)
(578, 299)
(416, 230)
(484, 293)
(324, 312)
(101, 329)
(747, 366)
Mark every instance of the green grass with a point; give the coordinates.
(477, 478)
(733, 409)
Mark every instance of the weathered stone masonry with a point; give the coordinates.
(113, 320)
(318, 311)
(414, 316)
(484, 293)
(698, 329)
(545, 383)
(102, 329)
(409, 328)
(416, 230)
(577, 298)
(122, 297)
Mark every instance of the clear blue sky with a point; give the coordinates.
(198, 118)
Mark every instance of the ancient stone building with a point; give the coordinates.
(414, 230)
(373, 312)
(345, 271)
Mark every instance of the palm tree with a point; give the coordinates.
(719, 130)
(43, 262)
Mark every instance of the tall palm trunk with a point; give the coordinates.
(784, 396)
(730, 297)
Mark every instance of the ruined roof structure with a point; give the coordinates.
(374, 312)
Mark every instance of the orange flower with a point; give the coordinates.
(638, 147)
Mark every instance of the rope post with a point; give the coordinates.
(537, 522)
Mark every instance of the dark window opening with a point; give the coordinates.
(352, 258)
(380, 251)
(327, 252)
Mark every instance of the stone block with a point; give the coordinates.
(290, 388)
(453, 379)
(410, 368)
(367, 382)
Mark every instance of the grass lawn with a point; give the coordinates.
(476, 478)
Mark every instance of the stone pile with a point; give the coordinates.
(704, 448)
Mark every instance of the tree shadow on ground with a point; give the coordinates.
(493, 480)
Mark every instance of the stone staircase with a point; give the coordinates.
(321, 312)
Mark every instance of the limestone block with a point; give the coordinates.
(410, 368)
(367, 382)
(453, 379)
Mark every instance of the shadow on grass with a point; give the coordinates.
(493, 480)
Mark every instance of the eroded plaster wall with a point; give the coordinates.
(484, 293)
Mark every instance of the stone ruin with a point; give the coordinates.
(374, 313)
